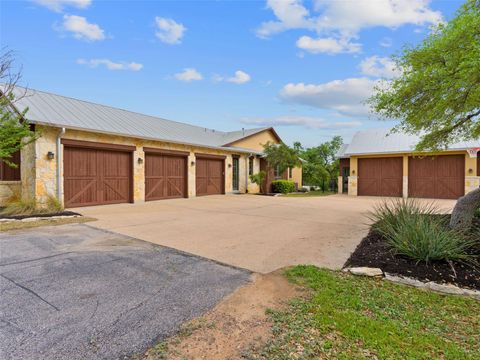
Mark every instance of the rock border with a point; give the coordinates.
(38, 218)
(404, 280)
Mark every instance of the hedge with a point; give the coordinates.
(283, 186)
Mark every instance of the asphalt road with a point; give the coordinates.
(75, 292)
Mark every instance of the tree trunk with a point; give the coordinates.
(464, 211)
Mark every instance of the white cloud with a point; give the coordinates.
(58, 5)
(347, 96)
(349, 17)
(110, 65)
(328, 45)
(379, 67)
(341, 21)
(169, 31)
(189, 74)
(239, 78)
(82, 29)
(291, 14)
(305, 121)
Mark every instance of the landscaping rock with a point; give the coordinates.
(366, 271)
(442, 288)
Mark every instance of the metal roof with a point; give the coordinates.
(382, 141)
(341, 152)
(60, 111)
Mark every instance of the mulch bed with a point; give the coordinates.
(21, 217)
(373, 251)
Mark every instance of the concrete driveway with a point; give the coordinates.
(75, 292)
(258, 233)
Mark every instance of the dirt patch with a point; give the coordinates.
(17, 225)
(233, 325)
(373, 251)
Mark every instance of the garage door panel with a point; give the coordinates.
(380, 176)
(94, 176)
(209, 176)
(165, 176)
(441, 177)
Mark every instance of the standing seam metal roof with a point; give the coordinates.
(60, 111)
(382, 141)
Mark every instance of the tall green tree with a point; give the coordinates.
(320, 164)
(437, 94)
(15, 132)
(280, 156)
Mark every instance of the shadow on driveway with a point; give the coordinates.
(75, 292)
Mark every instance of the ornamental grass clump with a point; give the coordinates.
(416, 230)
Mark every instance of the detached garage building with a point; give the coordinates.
(377, 163)
(91, 154)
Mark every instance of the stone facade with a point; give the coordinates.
(39, 173)
(9, 189)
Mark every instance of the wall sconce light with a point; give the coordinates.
(140, 160)
(192, 163)
(353, 172)
(470, 171)
(50, 155)
(229, 165)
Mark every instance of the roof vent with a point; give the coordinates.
(243, 131)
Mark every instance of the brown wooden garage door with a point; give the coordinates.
(210, 174)
(439, 177)
(165, 175)
(95, 176)
(380, 176)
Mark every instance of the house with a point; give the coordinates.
(381, 163)
(91, 154)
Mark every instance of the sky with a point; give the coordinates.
(305, 68)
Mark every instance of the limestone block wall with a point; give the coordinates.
(8, 189)
(40, 172)
(45, 182)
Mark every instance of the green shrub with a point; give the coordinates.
(416, 231)
(20, 206)
(53, 205)
(283, 186)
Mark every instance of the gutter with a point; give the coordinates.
(59, 164)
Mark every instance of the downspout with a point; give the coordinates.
(59, 164)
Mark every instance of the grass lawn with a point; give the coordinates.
(348, 317)
(310, 193)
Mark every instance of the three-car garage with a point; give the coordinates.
(99, 173)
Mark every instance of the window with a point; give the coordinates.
(8, 173)
(250, 166)
(276, 173)
(290, 173)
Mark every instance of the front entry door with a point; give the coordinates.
(235, 174)
(345, 175)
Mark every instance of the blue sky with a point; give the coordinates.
(302, 67)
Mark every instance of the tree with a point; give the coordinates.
(259, 179)
(437, 94)
(15, 132)
(280, 156)
(320, 163)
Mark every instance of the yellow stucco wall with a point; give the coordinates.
(256, 142)
(471, 180)
(297, 176)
